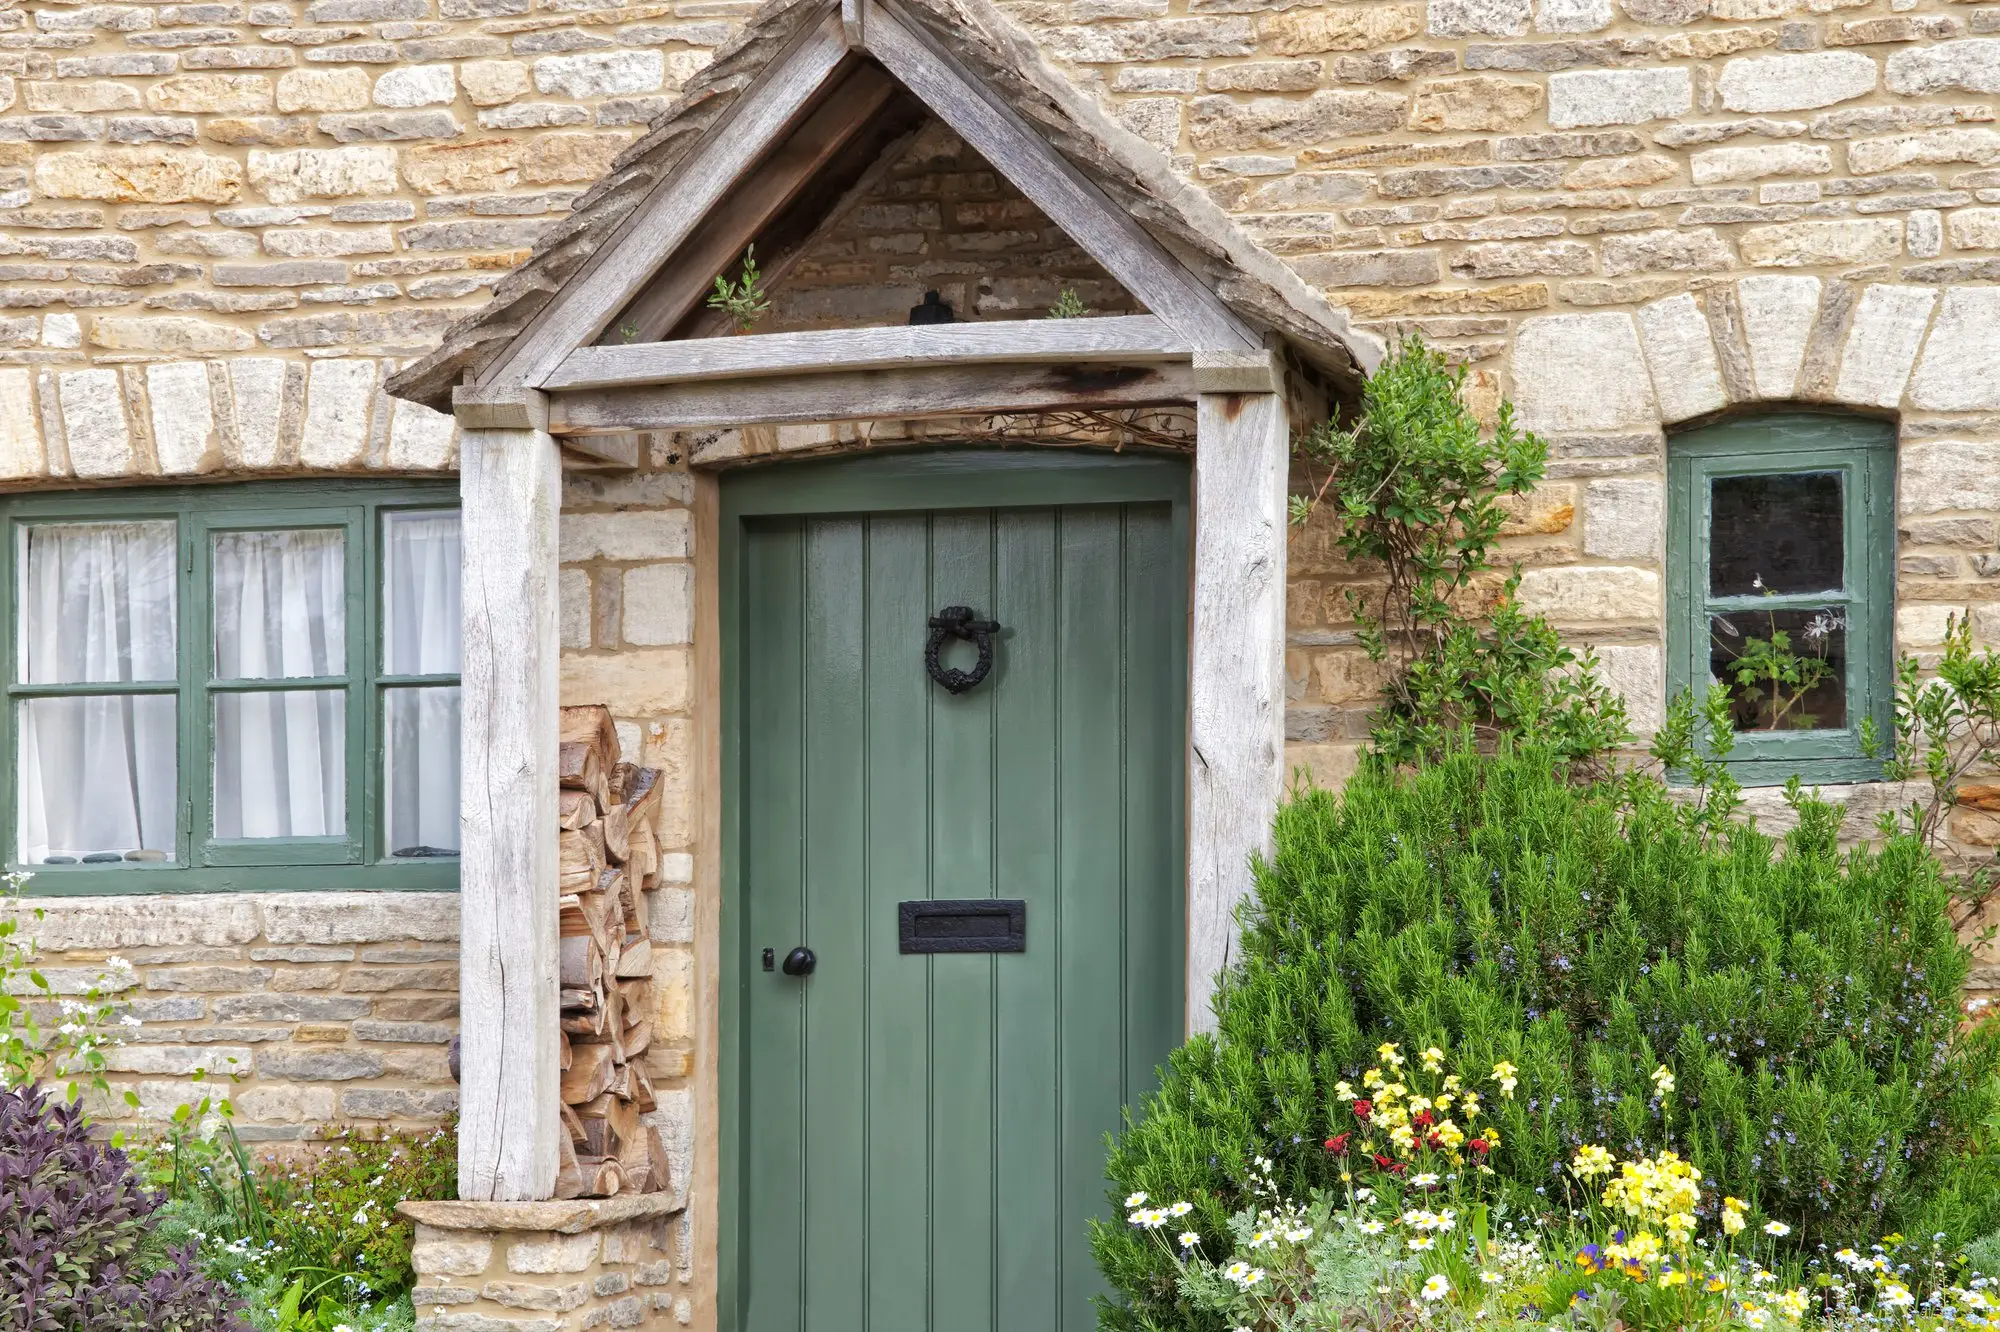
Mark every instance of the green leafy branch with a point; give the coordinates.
(743, 300)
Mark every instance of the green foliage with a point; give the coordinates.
(743, 300)
(1774, 679)
(1587, 933)
(1068, 305)
(70, 1053)
(1947, 728)
(1416, 486)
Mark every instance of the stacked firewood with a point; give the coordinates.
(610, 863)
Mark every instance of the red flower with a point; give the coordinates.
(1363, 1109)
(1423, 1119)
(1433, 1142)
(1337, 1144)
(1480, 1145)
(1382, 1162)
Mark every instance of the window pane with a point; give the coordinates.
(97, 779)
(1786, 670)
(420, 764)
(1776, 534)
(420, 594)
(280, 604)
(97, 602)
(281, 763)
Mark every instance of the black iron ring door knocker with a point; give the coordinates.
(957, 622)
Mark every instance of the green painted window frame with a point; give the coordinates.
(205, 864)
(1863, 451)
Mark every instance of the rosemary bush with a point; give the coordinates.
(1805, 1000)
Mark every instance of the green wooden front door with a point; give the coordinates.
(920, 1137)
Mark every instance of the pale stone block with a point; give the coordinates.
(673, 991)
(1637, 673)
(417, 85)
(1686, 376)
(61, 330)
(283, 1103)
(337, 918)
(1975, 228)
(139, 175)
(677, 867)
(1963, 66)
(1939, 475)
(257, 388)
(450, 1253)
(1822, 244)
(421, 439)
(636, 682)
(659, 605)
(494, 82)
(93, 417)
(1922, 624)
(557, 1253)
(178, 1060)
(184, 436)
(21, 454)
(671, 917)
(1778, 315)
(1573, 15)
(664, 534)
(1625, 518)
(1618, 96)
(573, 605)
(179, 334)
(1956, 373)
(1465, 18)
(1923, 233)
(592, 74)
(1582, 372)
(323, 89)
(1979, 146)
(1771, 159)
(1589, 594)
(1795, 82)
(323, 173)
(1882, 342)
(217, 94)
(107, 924)
(338, 396)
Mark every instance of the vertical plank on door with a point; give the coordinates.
(962, 1072)
(895, 1211)
(1090, 871)
(1155, 630)
(1025, 798)
(773, 862)
(835, 924)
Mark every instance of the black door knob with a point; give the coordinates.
(800, 962)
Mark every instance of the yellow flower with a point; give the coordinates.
(1793, 1302)
(1732, 1215)
(1450, 1134)
(1344, 1090)
(1591, 1160)
(1663, 1080)
(1504, 1074)
(1391, 1055)
(1433, 1060)
(1676, 1277)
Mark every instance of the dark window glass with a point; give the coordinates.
(1786, 670)
(1777, 534)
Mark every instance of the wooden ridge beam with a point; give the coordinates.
(1119, 338)
(857, 395)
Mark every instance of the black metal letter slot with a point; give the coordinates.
(981, 925)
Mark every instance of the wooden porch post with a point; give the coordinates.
(1236, 741)
(510, 482)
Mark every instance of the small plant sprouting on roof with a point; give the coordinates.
(743, 300)
(1068, 305)
(628, 332)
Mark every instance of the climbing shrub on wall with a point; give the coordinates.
(1416, 486)
(1804, 1000)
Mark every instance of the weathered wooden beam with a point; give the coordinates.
(601, 453)
(1236, 704)
(655, 229)
(856, 395)
(759, 197)
(1028, 341)
(1107, 232)
(510, 486)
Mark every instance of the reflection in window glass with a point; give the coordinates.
(280, 604)
(97, 779)
(420, 769)
(420, 593)
(1785, 670)
(96, 602)
(1777, 534)
(281, 763)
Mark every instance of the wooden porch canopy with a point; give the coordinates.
(603, 331)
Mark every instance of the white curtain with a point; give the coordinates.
(280, 613)
(420, 620)
(97, 604)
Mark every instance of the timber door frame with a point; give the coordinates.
(917, 480)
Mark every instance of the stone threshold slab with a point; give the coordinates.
(567, 1217)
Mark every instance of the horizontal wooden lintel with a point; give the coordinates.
(855, 395)
(1021, 341)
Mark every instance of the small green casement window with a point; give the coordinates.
(234, 686)
(1780, 579)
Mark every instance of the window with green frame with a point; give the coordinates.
(1781, 565)
(234, 686)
